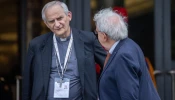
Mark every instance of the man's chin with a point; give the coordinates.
(62, 35)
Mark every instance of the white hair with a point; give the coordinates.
(111, 23)
(53, 3)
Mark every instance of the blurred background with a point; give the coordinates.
(151, 24)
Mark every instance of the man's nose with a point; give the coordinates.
(57, 23)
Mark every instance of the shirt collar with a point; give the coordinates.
(113, 47)
(64, 39)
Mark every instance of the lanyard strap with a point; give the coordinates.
(68, 52)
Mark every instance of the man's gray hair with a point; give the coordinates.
(53, 3)
(111, 23)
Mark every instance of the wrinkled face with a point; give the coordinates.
(57, 21)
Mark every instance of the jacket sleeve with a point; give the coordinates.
(27, 75)
(127, 77)
(100, 53)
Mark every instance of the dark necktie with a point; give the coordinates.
(107, 58)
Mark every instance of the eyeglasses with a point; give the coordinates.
(95, 32)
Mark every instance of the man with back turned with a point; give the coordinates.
(125, 74)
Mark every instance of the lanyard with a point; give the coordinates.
(68, 52)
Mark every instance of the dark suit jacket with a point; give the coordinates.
(37, 68)
(125, 76)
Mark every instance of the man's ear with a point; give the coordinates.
(69, 15)
(46, 24)
(105, 37)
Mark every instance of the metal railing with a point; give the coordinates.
(18, 79)
(172, 74)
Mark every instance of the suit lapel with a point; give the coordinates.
(112, 56)
(79, 50)
(46, 57)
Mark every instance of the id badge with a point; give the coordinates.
(61, 88)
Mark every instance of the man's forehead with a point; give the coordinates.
(54, 12)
